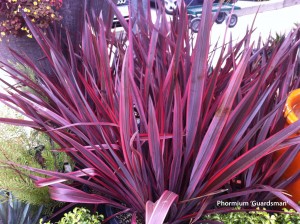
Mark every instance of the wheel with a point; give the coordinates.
(122, 2)
(233, 20)
(221, 17)
(170, 6)
(190, 18)
(195, 24)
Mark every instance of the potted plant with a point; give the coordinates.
(155, 128)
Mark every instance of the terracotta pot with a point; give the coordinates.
(292, 114)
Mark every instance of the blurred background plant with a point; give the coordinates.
(40, 12)
(31, 148)
(15, 211)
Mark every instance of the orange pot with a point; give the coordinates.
(292, 114)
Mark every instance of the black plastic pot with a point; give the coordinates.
(109, 211)
(124, 218)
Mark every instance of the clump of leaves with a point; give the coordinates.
(288, 216)
(239, 217)
(260, 216)
(80, 215)
(154, 126)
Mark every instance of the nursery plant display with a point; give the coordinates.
(154, 127)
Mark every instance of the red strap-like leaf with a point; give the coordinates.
(157, 212)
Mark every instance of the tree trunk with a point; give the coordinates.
(73, 13)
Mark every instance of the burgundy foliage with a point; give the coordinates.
(157, 122)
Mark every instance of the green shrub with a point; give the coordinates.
(288, 217)
(256, 217)
(79, 215)
(19, 145)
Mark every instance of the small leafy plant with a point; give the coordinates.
(288, 216)
(80, 215)
(158, 123)
(40, 12)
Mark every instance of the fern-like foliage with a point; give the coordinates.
(19, 145)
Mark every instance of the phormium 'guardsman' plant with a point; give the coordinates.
(157, 124)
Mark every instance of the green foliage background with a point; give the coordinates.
(17, 145)
(261, 216)
(80, 215)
